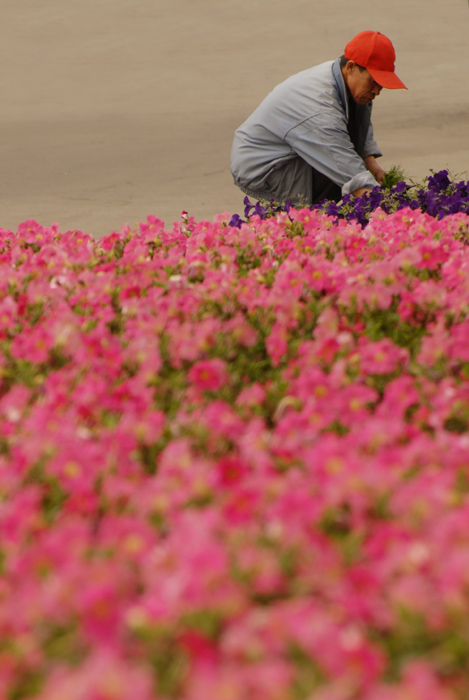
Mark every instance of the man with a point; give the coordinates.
(311, 138)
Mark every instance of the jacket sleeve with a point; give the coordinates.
(371, 147)
(323, 141)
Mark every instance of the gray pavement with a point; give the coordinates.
(116, 109)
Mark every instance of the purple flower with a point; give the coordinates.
(260, 210)
(438, 198)
(247, 206)
(236, 220)
(439, 181)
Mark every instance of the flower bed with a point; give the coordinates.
(234, 460)
(438, 196)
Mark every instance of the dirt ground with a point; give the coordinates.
(116, 109)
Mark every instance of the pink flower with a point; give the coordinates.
(234, 461)
(231, 470)
(381, 357)
(103, 675)
(209, 375)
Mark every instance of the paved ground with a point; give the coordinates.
(116, 109)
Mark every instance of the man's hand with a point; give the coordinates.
(361, 191)
(374, 168)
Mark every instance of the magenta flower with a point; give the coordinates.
(209, 375)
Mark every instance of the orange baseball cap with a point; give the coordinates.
(375, 52)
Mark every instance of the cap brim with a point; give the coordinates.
(386, 79)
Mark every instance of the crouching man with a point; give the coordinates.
(311, 138)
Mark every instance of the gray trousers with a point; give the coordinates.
(292, 181)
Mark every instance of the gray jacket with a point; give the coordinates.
(308, 116)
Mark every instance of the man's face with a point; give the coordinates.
(360, 83)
